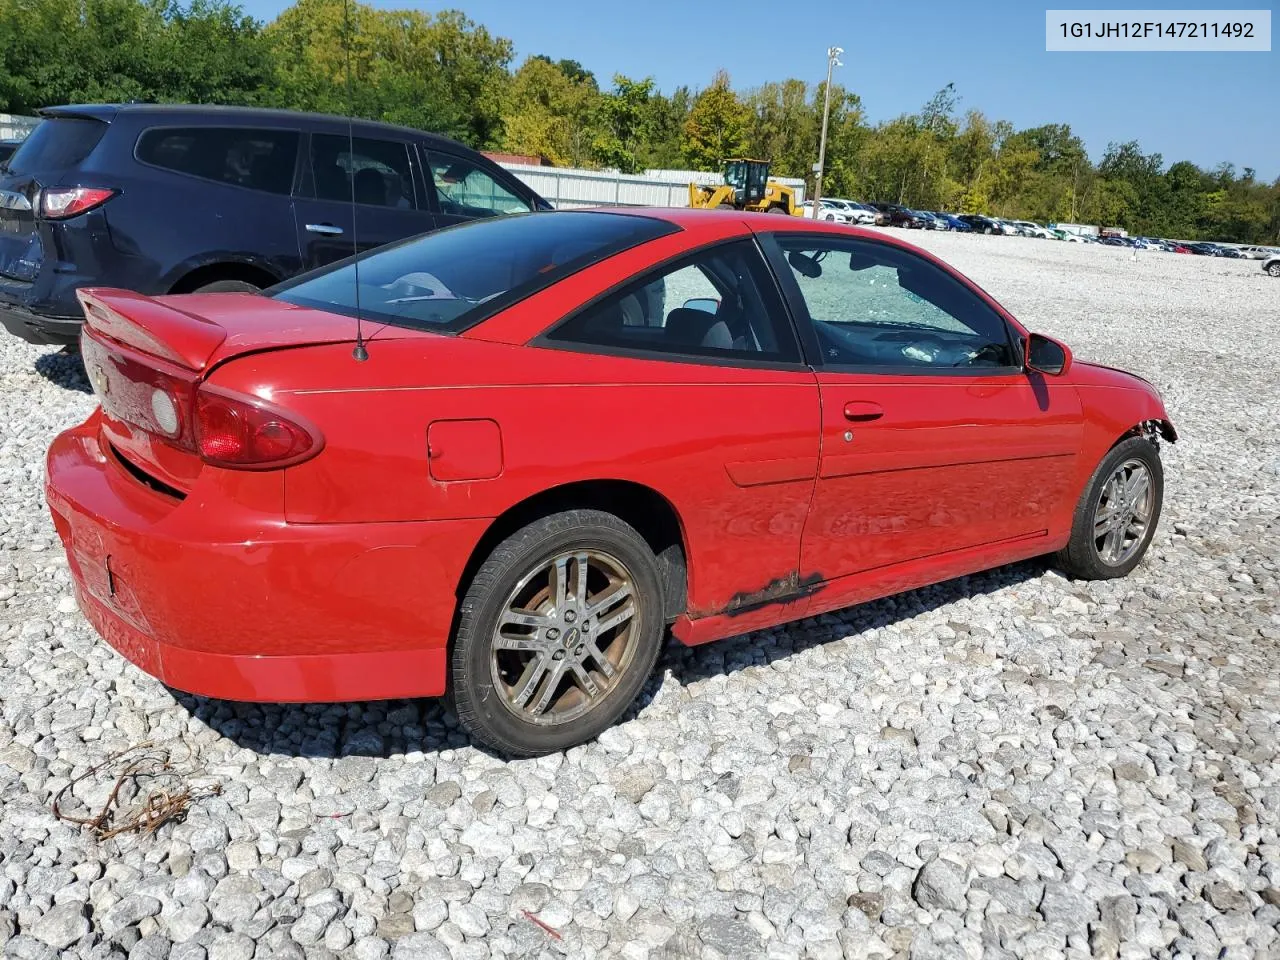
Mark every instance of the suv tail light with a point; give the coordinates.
(244, 433)
(62, 203)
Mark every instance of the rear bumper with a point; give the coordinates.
(38, 328)
(217, 600)
(297, 678)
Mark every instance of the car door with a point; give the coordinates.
(358, 193)
(705, 371)
(934, 440)
(466, 190)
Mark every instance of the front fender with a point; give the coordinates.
(1112, 413)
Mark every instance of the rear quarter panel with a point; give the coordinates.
(734, 453)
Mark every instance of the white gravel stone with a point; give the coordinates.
(61, 926)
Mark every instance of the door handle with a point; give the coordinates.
(860, 411)
(328, 229)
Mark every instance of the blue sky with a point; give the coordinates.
(1203, 107)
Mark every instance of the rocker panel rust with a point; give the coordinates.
(794, 586)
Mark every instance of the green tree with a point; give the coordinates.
(76, 51)
(846, 135)
(442, 73)
(783, 126)
(717, 125)
(624, 113)
(664, 129)
(550, 113)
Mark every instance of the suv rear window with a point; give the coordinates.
(454, 278)
(56, 144)
(240, 156)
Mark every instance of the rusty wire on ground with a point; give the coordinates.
(165, 791)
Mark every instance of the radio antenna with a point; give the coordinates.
(360, 353)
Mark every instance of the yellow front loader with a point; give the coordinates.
(746, 187)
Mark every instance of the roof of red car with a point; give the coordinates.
(690, 216)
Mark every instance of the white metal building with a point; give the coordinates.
(569, 187)
(13, 127)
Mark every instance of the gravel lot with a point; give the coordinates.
(1013, 764)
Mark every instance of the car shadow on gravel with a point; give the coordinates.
(64, 369)
(393, 728)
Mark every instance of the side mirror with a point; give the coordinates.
(1048, 356)
(804, 264)
(705, 304)
(863, 261)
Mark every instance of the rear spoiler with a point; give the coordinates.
(105, 112)
(151, 326)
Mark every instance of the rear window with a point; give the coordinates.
(240, 156)
(452, 279)
(57, 144)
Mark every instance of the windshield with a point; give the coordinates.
(451, 279)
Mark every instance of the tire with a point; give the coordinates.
(228, 286)
(725, 206)
(986, 230)
(516, 578)
(776, 210)
(1274, 269)
(1083, 558)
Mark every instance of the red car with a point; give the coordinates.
(572, 430)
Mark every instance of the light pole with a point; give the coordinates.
(833, 61)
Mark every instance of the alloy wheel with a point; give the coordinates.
(1123, 514)
(566, 635)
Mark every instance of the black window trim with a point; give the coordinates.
(306, 188)
(294, 183)
(491, 308)
(803, 322)
(668, 265)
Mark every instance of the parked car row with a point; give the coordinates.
(836, 210)
(178, 199)
(1199, 248)
(897, 215)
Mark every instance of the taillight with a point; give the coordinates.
(244, 433)
(60, 203)
(157, 400)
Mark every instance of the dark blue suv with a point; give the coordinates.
(175, 199)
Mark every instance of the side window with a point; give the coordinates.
(257, 159)
(871, 304)
(465, 190)
(374, 172)
(718, 304)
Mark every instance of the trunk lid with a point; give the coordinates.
(197, 331)
(134, 346)
(45, 159)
